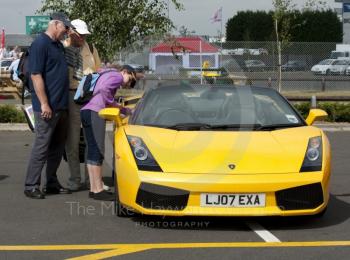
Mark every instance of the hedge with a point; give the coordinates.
(11, 114)
(337, 112)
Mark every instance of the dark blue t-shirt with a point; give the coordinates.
(46, 57)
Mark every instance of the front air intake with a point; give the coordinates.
(302, 197)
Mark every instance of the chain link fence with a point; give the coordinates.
(198, 61)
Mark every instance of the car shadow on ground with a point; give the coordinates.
(3, 177)
(338, 211)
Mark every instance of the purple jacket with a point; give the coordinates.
(105, 89)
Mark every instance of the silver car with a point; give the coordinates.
(339, 67)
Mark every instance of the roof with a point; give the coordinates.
(22, 40)
(185, 44)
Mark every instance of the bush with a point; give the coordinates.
(10, 114)
(337, 112)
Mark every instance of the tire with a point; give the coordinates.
(327, 72)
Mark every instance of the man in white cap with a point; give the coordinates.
(82, 59)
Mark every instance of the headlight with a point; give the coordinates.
(143, 157)
(313, 156)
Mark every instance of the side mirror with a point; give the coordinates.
(315, 114)
(111, 114)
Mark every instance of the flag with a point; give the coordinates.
(217, 17)
(3, 39)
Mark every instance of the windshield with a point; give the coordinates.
(337, 54)
(326, 62)
(214, 107)
(341, 62)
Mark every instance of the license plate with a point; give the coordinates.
(233, 200)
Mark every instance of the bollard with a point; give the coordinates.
(323, 84)
(313, 102)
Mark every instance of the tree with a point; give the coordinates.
(282, 23)
(319, 5)
(255, 26)
(306, 25)
(183, 31)
(116, 23)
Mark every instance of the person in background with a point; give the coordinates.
(49, 80)
(82, 59)
(94, 126)
(14, 53)
(13, 69)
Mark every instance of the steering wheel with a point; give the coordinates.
(169, 110)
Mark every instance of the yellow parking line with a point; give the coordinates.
(173, 245)
(110, 253)
(143, 247)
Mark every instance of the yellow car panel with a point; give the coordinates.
(209, 181)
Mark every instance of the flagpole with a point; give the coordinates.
(220, 39)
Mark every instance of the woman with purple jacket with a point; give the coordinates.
(94, 126)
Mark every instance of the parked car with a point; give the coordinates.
(5, 64)
(192, 150)
(239, 51)
(260, 51)
(347, 71)
(254, 65)
(232, 65)
(339, 67)
(138, 67)
(323, 67)
(294, 65)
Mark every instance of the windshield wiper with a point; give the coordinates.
(202, 126)
(189, 126)
(276, 126)
(235, 126)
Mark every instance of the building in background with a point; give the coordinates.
(186, 52)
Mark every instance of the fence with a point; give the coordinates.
(256, 63)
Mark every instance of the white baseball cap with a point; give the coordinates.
(80, 26)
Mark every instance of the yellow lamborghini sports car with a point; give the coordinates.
(219, 151)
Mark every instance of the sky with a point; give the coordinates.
(196, 15)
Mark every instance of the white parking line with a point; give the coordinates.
(261, 232)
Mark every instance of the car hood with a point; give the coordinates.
(226, 152)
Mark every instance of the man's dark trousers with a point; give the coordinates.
(48, 147)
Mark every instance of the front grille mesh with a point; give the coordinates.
(302, 197)
(158, 197)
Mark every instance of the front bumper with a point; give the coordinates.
(177, 194)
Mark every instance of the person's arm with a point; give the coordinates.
(39, 87)
(96, 58)
(37, 64)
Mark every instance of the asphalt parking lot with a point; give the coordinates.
(76, 227)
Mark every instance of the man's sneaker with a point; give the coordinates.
(73, 186)
(34, 194)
